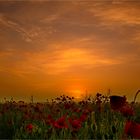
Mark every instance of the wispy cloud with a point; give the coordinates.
(28, 35)
(43, 41)
(117, 14)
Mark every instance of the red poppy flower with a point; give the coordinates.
(87, 111)
(49, 120)
(132, 129)
(127, 110)
(29, 127)
(75, 123)
(117, 102)
(77, 110)
(83, 117)
(60, 123)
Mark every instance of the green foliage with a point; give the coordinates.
(94, 120)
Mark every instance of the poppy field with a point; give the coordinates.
(101, 117)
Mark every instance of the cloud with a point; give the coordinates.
(121, 14)
(45, 43)
(28, 35)
(50, 18)
(63, 59)
(136, 37)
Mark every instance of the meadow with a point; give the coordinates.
(101, 117)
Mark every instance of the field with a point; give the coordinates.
(100, 117)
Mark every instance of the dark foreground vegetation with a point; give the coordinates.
(101, 117)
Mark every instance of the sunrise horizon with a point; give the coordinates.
(78, 95)
(49, 48)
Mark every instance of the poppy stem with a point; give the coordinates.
(136, 95)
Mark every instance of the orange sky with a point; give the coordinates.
(52, 47)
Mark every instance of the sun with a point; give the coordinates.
(76, 93)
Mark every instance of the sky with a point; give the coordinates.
(48, 48)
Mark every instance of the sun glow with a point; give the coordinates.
(76, 93)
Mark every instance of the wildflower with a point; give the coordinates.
(87, 111)
(64, 99)
(117, 102)
(127, 110)
(57, 110)
(89, 99)
(83, 117)
(21, 102)
(77, 110)
(60, 123)
(75, 123)
(70, 98)
(29, 127)
(58, 98)
(132, 129)
(67, 105)
(38, 108)
(98, 95)
(49, 120)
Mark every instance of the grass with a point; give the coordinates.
(64, 118)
